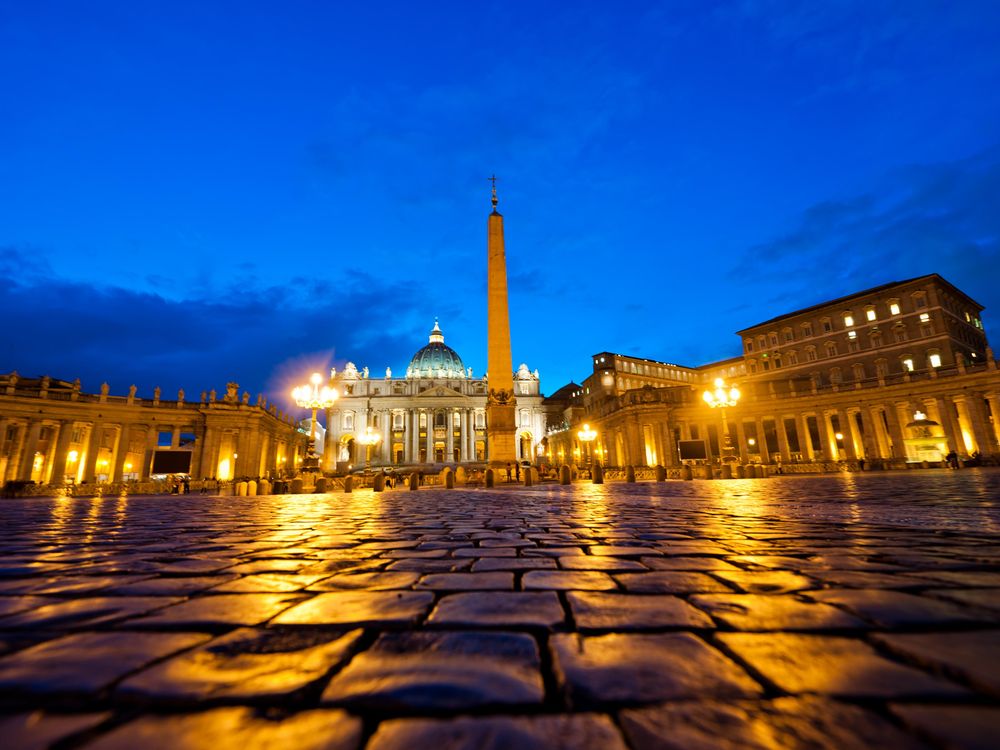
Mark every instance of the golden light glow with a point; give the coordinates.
(313, 396)
(73, 456)
(587, 435)
(721, 396)
(369, 436)
(839, 435)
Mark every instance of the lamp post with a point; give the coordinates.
(720, 398)
(314, 397)
(587, 437)
(368, 438)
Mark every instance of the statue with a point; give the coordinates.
(211, 396)
(333, 372)
(470, 373)
(204, 396)
(232, 390)
(350, 371)
(76, 384)
(105, 388)
(156, 393)
(246, 397)
(131, 391)
(523, 373)
(388, 373)
(180, 395)
(364, 372)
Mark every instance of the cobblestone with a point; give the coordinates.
(842, 612)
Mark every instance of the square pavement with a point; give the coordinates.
(848, 611)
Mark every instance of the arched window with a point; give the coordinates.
(859, 371)
(836, 376)
(439, 419)
(831, 349)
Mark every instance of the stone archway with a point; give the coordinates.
(525, 443)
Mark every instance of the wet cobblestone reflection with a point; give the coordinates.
(826, 612)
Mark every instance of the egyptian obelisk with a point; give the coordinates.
(499, 367)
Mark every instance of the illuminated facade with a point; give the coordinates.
(52, 433)
(435, 414)
(892, 375)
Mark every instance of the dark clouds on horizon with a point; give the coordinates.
(919, 219)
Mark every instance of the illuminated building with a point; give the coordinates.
(52, 433)
(891, 375)
(435, 414)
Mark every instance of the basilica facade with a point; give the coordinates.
(434, 414)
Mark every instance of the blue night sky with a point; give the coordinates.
(192, 193)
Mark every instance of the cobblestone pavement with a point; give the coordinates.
(854, 611)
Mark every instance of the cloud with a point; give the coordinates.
(261, 338)
(921, 218)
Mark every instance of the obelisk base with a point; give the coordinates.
(500, 438)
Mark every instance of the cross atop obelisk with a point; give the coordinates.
(500, 426)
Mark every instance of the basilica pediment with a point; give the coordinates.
(441, 391)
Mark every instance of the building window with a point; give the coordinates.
(423, 420)
(397, 420)
(788, 335)
(908, 364)
(456, 420)
(881, 368)
(870, 314)
(899, 333)
(919, 300)
(876, 339)
(753, 366)
(926, 330)
(349, 421)
(749, 343)
(836, 377)
(774, 338)
(480, 420)
(925, 317)
(831, 349)
(934, 359)
(859, 372)
(793, 358)
(894, 307)
(852, 344)
(848, 320)
(777, 362)
(827, 325)
(807, 330)
(852, 335)
(810, 354)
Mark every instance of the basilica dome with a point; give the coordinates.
(436, 360)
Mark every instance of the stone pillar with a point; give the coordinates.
(805, 437)
(765, 455)
(741, 442)
(898, 447)
(982, 432)
(152, 438)
(196, 452)
(847, 430)
(994, 401)
(970, 426)
(449, 443)
(500, 403)
(28, 450)
(415, 437)
(58, 475)
(779, 426)
(830, 449)
(869, 441)
(93, 448)
(4, 424)
(175, 437)
(938, 410)
(430, 437)
(121, 451)
(873, 415)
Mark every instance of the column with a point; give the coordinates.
(415, 437)
(805, 437)
(449, 443)
(120, 454)
(463, 440)
(869, 438)
(779, 426)
(980, 423)
(152, 438)
(430, 437)
(741, 440)
(937, 409)
(891, 412)
(847, 430)
(4, 424)
(28, 451)
(329, 446)
(93, 448)
(196, 452)
(992, 399)
(874, 416)
(175, 437)
(62, 448)
(830, 448)
(765, 456)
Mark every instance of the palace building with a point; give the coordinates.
(435, 414)
(51, 433)
(894, 375)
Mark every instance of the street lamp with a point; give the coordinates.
(368, 439)
(719, 399)
(587, 437)
(313, 397)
